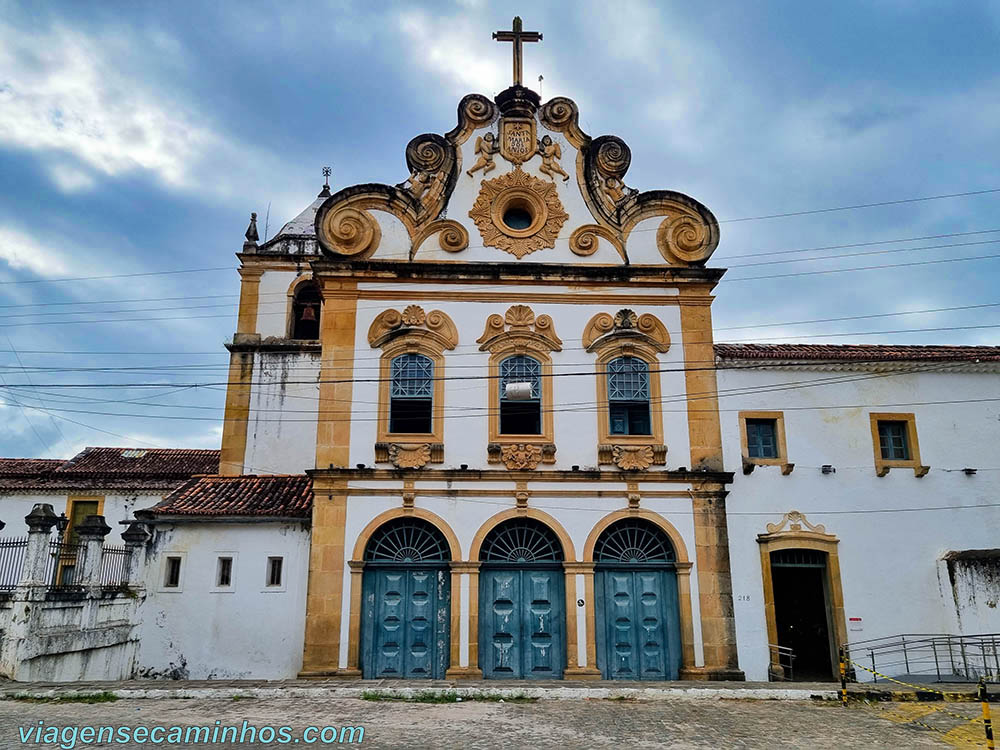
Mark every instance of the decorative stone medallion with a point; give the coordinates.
(518, 213)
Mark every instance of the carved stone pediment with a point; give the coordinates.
(520, 322)
(604, 327)
(435, 325)
(794, 520)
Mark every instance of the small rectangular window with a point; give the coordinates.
(762, 438)
(274, 565)
(224, 572)
(892, 440)
(172, 579)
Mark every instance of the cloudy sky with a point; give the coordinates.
(135, 138)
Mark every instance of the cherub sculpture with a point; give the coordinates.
(486, 147)
(551, 151)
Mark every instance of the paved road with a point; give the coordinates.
(728, 724)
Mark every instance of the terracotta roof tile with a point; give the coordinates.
(859, 352)
(281, 495)
(108, 469)
(28, 467)
(144, 461)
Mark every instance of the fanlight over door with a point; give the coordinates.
(406, 592)
(638, 623)
(522, 622)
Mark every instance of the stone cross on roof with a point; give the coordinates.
(517, 36)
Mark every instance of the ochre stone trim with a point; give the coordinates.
(246, 321)
(779, 428)
(357, 578)
(237, 413)
(882, 465)
(779, 537)
(682, 565)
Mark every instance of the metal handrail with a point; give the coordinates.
(930, 657)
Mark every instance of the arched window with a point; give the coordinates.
(306, 310)
(521, 540)
(407, 540)
(632, 541)
(411, 394)
(522, 416)
(628, 396)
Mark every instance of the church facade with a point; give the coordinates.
(526, 450)
(478, 426)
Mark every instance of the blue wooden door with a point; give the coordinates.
(406, 622)
(522, 623)
(638, 625)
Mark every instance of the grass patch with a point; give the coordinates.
(433, 696)
(104, 697)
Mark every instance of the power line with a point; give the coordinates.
(723, 221)
(860, 205)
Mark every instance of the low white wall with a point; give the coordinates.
(249, 631)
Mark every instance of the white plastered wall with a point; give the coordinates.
(284, 402)
(247, 631)
(466, 432)
(890, 571)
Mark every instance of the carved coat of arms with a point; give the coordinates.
(518, 141)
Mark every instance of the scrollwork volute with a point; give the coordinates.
(349, 231)
(584, 240)
(520, 321)
(684, 238)
(452, 236)
(604, 329)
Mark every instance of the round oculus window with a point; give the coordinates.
(517, 218)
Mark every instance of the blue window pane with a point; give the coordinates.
(628, 379)
(893, 441)
(521, 369)
(762, 438)
(412, 376)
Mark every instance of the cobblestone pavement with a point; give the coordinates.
(475, 725)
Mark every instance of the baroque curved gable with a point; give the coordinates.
(522, 178)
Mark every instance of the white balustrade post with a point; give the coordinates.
(135, 538)
(88, 558)
(40, 522)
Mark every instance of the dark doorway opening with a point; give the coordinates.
(802, 611)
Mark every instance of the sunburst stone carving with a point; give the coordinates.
(413, 315)
(538, 197)
(409, 456)
(633, 457)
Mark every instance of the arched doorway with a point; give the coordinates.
(638, 620)
(406, 598)
(522, 618)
